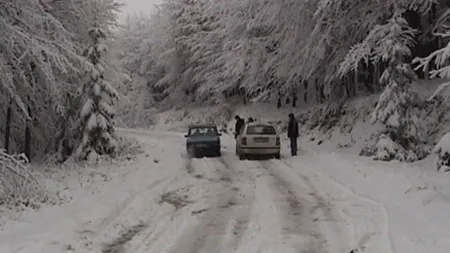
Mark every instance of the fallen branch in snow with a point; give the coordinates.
(17, 185)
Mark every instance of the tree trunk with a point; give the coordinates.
(346, 83)
(352, 84)
(305, 94)
(294, 100)
(28, 133)
(8, 125)
(30, 121)
(243, 95)
(279, 99)
(318, 92)
(376, 77)
(322, 93)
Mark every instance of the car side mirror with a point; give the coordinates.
(186, 135)
(219, 134)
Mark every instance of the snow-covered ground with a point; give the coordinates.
(321, 201)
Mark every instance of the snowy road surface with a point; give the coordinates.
(166, 203)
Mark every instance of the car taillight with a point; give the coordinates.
(244, 141)
(278, 141)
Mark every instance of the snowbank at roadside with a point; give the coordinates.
(401, 206)
(62, 183)
(92, 199)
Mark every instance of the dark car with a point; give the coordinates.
(203, 140)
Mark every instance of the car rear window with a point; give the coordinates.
(261, 130)
(203, 131)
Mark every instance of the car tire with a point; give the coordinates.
(278, 156)
(218, 153)
(241, 156)
(191, 152)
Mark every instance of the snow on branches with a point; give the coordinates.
(441, 60)
(97, 113)
(390, 44)
(441, 63)
(442, 150)
(17, 184)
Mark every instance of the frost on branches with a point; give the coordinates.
(18, 187)
(442, 150)
(396, 108)
(97, 113)
(441, 62)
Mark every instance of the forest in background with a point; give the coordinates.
(58, 83)
(206, 52)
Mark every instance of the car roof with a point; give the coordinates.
(259, 124)
(202, 125)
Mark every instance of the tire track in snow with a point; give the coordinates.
(299, 228)
(361, 242)
(151, 234)
(208, 234)
(211, 233)
(159, 236)
(122, 206)
(329, 220)
(210, 170)
(118, 245)
(112, 218)
(244, 184)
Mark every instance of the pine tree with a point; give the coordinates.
(442, 93)
(97, 113)
(390, 43)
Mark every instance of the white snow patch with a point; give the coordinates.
(96, 202)
(396, 207)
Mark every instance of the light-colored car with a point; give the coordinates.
(256, 139)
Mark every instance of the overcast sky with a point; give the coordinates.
(136, 6)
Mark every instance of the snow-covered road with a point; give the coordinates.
(166, 203)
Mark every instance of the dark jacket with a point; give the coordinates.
(239, 124)
(293, 128)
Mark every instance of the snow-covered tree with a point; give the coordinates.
(35, 57)
(97, 113)
(390, 43)
(441, 63)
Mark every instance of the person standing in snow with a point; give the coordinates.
(293, 133)
(239, 124)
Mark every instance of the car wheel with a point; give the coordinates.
(218, 153)
(191, 152)
(241, 156)
(237, 153)
(278, 156)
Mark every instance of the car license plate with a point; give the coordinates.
(260, 140)
(201, 145)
